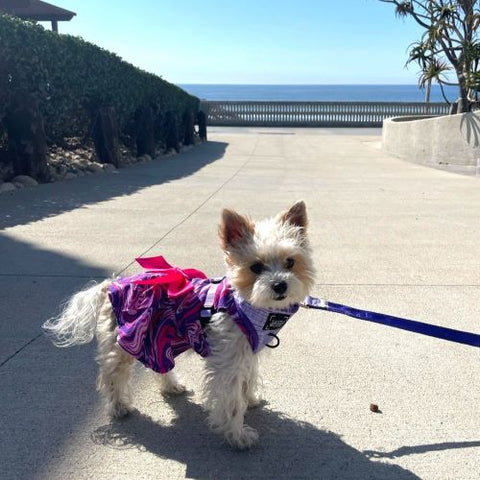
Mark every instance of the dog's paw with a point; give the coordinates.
(170, 384)
(173, 389)
(119, 410)
(245, 438)
(255, 401)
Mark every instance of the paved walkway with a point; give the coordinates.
(388, 235)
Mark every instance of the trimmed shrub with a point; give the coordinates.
(72, 79)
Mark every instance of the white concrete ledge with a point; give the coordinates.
(450, 142)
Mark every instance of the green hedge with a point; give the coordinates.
(72, 78)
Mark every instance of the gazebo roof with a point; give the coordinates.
(35, 10)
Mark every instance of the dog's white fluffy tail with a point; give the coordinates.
(75, 325)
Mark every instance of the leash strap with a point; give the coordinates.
(436, 331)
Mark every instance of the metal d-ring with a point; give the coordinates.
(276, 338)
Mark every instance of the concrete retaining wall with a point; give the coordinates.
(450, 142)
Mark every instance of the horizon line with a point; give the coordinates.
(301, 84)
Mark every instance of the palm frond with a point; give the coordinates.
(404, 9)
(434, 70)
(444, 12)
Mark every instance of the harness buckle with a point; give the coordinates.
(208, 309)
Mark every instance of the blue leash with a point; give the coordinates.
(444, 333)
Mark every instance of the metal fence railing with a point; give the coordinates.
(313, 114)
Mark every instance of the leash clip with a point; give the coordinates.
(312, 302)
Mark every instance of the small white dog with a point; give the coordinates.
(158, 314)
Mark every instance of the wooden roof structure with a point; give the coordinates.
(36, 10)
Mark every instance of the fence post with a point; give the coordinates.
(27, 142)
(105, 136)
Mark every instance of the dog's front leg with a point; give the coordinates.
(252, 394)
(228, 369)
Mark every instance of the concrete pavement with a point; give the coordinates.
(388, 235)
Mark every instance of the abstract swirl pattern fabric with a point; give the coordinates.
(158, 313)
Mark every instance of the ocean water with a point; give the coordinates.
(325, 93)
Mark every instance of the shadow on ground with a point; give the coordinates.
(419, 449)
(47, 200)
(288, 449)
(470, 126)
(48, 393)
(45, 392)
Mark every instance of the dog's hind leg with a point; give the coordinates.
(114, 366)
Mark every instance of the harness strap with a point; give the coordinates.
(450, 334)
(208, 307)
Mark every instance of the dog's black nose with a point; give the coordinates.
(279, 287)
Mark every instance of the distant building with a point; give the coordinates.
(36, 10)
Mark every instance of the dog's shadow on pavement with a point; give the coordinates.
(288, 449)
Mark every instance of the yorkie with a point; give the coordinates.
(163, 311)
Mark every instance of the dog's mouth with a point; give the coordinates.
(280, 297)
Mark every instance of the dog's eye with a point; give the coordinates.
(257, 268)
(289, 263)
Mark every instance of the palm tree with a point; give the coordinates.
(432, 68)
(450, 43)
(435, 70)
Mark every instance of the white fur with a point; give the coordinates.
(230, 381)
(231, 369)
(76, 323)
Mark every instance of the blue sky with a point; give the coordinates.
(252, 41)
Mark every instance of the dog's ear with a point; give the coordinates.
(296, 215)
(234, 229)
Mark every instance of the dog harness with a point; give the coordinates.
(161, 313)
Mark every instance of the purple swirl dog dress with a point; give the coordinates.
(159, 313)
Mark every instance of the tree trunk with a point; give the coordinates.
(27, 142)
(202, 125)
(106, 137)
(144, 120)
(427, 94)
(171, 132)
(463, 102)
(189, 128)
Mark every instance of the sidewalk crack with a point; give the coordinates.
(13, 355)
(181, 222)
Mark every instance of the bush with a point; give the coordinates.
(72, 79)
